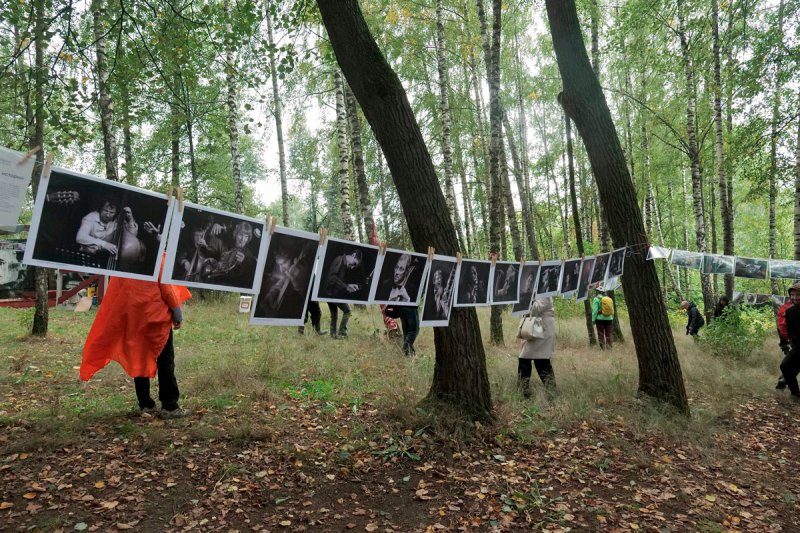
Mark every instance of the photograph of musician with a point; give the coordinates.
(572, 273)
(287, 277)
(527, 287)
(617, 263)
(439, 293)
(100, 225)
(400, 278)
(600, 268)
(473, 283)
(586, 273)
(216, 249)
(549, 277)
(505, 287)
(347, 271)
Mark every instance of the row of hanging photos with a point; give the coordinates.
(87, 224)
(738, 266)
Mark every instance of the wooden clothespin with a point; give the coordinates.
(493, 258)
(272, 225)
(28, 154)
(431, 251)
(323, 236)
(180, 199)
(169, 195)
(458, 258)
(48, 165)
(521, 262)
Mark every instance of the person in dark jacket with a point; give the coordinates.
(722, 305)
(695, 321)
(790, 366)
(783, 338)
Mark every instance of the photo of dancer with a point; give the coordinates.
(617, 263)
(505, 282)
(549, 279)
(213, 249)
(400, 278)
(346, 271)
(473, 283)
(527, 287)
(286, 281)
(583, 285)
(97, 226)
(600, 269)
(752, 268)
(439, 291)
(570, 277)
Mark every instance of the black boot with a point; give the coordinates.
(319, 331)
(301, 330)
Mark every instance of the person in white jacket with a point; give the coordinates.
(539, 351)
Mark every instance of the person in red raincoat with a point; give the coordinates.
(134, 328)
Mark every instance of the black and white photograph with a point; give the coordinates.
(345, 272)
(527, 288)
(400, 278)
(92, 225)
(783, 269)
(439, 291)
(616, 265)
(549, 279)
(717, 264)
(505, 282)
(779, 300)
(685, 259)
(657, 252)
(286, 280)
(570, 277)
(600, 269)
(213, 249)
(751, 267)
(586, 274)
(473, 283)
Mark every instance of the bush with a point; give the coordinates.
(738, 332)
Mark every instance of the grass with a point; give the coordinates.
(224, 365)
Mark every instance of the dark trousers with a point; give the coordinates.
(409, 319)
(313, 311)
(790, 367)
(168, 393)
(543, 367)
(334, 309)
(605, 328)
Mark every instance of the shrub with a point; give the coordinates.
(737, 333)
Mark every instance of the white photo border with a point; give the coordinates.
(441, 323)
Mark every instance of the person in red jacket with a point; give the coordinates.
(790, 366)
(783, 338)
(134, 328)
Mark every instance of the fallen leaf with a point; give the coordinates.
(80, 526)
(109, 504)
(29, 495)
(6, 505)
(371, 527)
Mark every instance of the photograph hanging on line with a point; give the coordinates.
(657, 252)
(400, 278)
(213, 249)
(779, 300)
(505, 283)
(685, 259)
(586, 273)
(439, 291)
(345, 272)
(717, 264)
(473, 283)
(751, 267)
(549, 279)
(570, 277)
(97, 226)
(616, 265)
(783, 269)
(600, 269)
(15, 175)
(286, 279)
(527, 288)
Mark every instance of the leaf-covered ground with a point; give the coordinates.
(299, 454)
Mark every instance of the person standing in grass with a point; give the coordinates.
(783, 337)
(134, 328)
(539, 351)
(409, 318)
(790, 366)
(603, 318)
(695, 320)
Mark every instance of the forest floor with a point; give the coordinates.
(304, 433)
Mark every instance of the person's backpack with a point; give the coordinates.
(606, 306)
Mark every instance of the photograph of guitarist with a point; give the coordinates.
(346, 278)
(286, 280)
(213, 258)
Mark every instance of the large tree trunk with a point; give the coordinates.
(277, 110)
(773, 141)
(41, 310)
(460, 379)
(694, 155)
(104, 92)
(583, 100)
(576, 220)
(364, 203)
(797, 194)
(233, 120)
(127, 142)
(348, 228)
(725, 214)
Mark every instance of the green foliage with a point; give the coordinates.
(738, 332)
